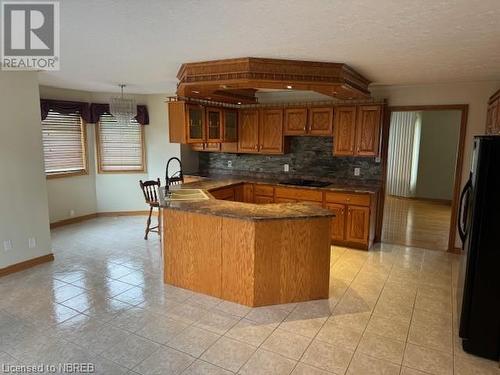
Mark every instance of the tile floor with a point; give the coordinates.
(102, 301)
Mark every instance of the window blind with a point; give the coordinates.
(63, 143)
(120, 146)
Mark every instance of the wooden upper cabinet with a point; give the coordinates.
(338, 222)
(230, 126)
(177, 122)
(358, 224)
(368, 130)
(271, 132)
(213, 131)
(320, 121)
(345, 128)
(295, 121)
(248, 130)
(195, 123)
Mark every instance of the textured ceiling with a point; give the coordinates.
(143, 42)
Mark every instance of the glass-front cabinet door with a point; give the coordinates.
(214, 125)
(196, 123)
(230, 126)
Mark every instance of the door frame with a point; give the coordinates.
(464, 108)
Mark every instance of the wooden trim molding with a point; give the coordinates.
(72, 220)
(122, 213)
(78, 219)
(464, 108)
(26, 264)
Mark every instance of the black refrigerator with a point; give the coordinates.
(478, 288)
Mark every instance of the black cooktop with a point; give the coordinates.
(310, 183)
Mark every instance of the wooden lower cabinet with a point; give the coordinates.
(226, 194)
(338, 222)
(358, 224)
(354, 222)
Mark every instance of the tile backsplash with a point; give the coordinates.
(308, 157)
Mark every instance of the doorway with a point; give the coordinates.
(423, 156)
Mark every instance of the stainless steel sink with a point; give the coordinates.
(187, 195)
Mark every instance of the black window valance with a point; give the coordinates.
(98, 109)
(64, 107)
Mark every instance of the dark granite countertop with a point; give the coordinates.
(250, 211)
(215, 182)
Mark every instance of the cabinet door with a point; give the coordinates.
(177, 121)
(195, 123)
(497, 122)
(338, 222)
(262, 199)
(368, 130)
(230, 126)
(271, 131)
(295, 121)
(248, 193)
(211, 146)
(214, 125)
(358, 224)
(491, 118)
(321, 121)
(248, 130)
(239, 193)
(344, 128)
(198, 146)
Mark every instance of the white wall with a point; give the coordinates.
(475, 94)
(110, 192)
(23, 190)
(438, 154)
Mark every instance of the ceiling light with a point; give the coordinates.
(223, 86)
(123, 109)
(239, 102)
(195, 92)
(289, 87)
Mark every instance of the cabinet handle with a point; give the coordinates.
(256, 147)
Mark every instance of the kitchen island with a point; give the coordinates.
(251, 254)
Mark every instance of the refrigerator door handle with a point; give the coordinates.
(462, 213)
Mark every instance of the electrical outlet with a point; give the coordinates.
(286, 168)
(357, 171)
(32, 242)
(229, 163)
(71, 213)
(7, 245)
(378, 160)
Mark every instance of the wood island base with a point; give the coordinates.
(250, 262)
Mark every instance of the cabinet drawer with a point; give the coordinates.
(265, 190)
(348, 198)
(262, 199)
(299, 194)
(284, 200)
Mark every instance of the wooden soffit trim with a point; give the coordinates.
(237, 80)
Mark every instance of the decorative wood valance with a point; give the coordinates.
(237, 80)
(98, 109)
(64, 107)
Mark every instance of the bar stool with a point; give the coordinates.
(150, 189)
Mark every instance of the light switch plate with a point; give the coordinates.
(7, 245)
(286, 168)
(32, 242)
(357, 171)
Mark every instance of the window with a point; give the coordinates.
(63, 137)
(120, 148)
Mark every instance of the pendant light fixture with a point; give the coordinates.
(123, 109)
